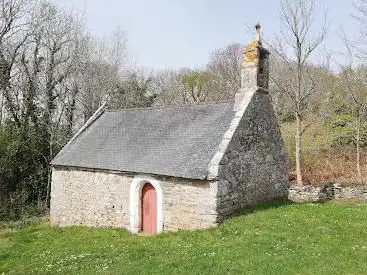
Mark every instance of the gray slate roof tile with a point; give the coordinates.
(177, 142)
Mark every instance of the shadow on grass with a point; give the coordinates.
(277, 203)
(262, 207)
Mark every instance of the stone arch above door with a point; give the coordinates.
(135, 202)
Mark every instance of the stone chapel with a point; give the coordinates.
(157, 169)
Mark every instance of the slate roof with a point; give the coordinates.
(177, 142)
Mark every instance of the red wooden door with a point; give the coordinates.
(148, 209)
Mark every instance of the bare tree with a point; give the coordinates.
(161, 85)
(105, 68)
(217, 83)
(98, 81)
(135, 91)
(51, 57)
(50, 75)
(13, 35)
(295, 45)
(353, 79)
(169, 88)
(361, 16)
(224, 67)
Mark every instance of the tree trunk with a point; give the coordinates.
(48, 190)
(1, 109)
(358, 137)
(299, 149)
(49, 173)
(70, 113)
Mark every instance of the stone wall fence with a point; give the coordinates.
(332, 191)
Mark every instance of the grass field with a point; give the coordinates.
(326, 238)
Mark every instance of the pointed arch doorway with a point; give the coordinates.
(148, 209)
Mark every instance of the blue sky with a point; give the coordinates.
(166, 34)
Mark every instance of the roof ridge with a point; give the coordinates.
(109, 109)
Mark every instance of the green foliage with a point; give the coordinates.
(342, 120)
(271, 239)
(196, 82)
(23, 172)
(345, 131)
(133, 92)
(286, 116)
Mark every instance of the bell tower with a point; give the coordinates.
(254, 67)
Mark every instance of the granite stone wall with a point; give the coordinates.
(254, 167)
(327, 192)
(101, 198)
(189, 204)
(82, 197)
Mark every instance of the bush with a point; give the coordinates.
(345, 131)
(286, 116)
(343, 120)
(23, 172)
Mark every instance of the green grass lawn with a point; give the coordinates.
(326, 238)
